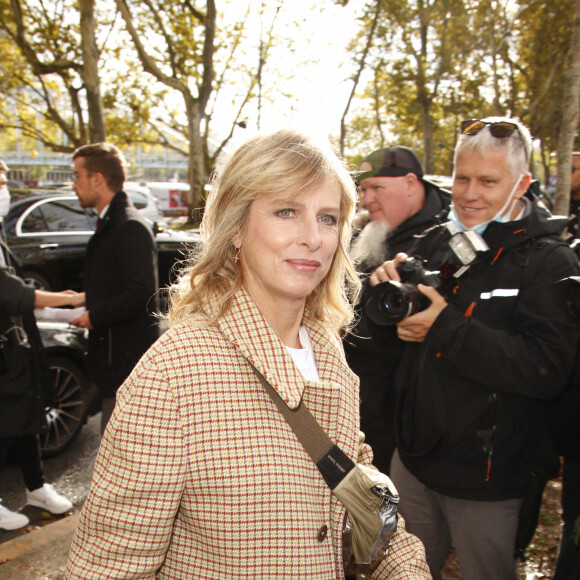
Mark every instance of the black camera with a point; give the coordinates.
(390, 302)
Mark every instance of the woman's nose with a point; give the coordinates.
(310, 233)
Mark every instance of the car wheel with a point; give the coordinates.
(36, 280)
(66, 415)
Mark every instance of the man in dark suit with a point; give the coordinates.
(121, 279)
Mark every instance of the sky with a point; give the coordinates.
(321, 87)
(308, 66)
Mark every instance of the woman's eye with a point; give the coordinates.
(328, 220)
(285, 212)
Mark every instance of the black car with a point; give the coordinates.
(69, 401)
(47, 234)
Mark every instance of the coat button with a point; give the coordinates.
(322, 533)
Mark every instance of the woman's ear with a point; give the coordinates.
(237, 240)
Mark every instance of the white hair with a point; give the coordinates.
(517, 147)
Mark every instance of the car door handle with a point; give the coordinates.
(48, 246)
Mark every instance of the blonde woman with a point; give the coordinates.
(199, 475)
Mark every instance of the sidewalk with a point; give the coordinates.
(40, 553)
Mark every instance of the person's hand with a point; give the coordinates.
(83, 321)
(73, 298)
(415, 328)
(387, 270)
(76, 298)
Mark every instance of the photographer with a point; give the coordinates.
(494, 343)
(400, 204)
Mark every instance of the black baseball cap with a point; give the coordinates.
(392, 161)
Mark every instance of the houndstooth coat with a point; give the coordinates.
(200, 476)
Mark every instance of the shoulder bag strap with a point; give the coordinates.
(331, 461)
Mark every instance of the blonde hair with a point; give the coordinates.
(284, 161)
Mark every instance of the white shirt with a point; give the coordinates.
(304, 357)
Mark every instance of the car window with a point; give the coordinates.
(58, 216)
(138, 199)
(35, 222)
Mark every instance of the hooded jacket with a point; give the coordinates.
(471, 395)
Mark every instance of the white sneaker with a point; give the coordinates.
(11, 520)
(46, 498)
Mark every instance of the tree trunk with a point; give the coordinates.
(427, 122)
(97, 130)
(195, 107)
(196, 166)
(357, 76)
(569, 122)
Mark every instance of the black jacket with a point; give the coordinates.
(121, 284)
(373, 352)
(472, 395)
(22, 368)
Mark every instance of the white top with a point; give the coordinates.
(304, 357)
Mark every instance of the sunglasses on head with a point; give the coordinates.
(499, 129)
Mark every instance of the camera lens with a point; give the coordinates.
(394, 301)
(390, 302)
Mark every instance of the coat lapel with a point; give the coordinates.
(246, 328)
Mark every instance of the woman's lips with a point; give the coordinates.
(304, 265)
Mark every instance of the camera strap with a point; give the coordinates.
(332, 462)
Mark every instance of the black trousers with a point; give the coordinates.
(25, 451)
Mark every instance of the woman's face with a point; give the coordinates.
(287, 245)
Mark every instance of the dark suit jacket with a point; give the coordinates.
(121, 284)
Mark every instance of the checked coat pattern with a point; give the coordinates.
(200, 476)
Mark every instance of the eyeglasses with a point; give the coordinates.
(499, 129)
(574, 167)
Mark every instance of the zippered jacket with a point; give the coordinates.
(471, 395)
(373, 352)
